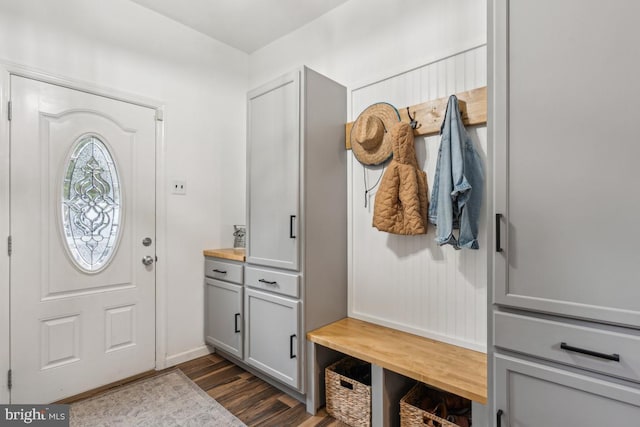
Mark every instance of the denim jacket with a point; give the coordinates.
(456, 197)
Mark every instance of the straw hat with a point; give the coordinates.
(370, 136)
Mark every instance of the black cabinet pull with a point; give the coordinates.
(291, 220)
(267, 282)
(498, 218)
(215, 270)
(615, 357)
(499, 417)
(235, 323)
(291, 355)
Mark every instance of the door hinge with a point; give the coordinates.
(9, 379)
(159, 115)
(9, 245)
(9, 111)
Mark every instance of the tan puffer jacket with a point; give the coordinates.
(401, 200)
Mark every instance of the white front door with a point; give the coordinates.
(82, 205)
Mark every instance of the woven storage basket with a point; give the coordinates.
(411, 413)
(349, 399)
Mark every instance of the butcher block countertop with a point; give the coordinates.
(455, 369)
(229, 253)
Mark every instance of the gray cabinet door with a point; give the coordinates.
(532, 394)
(273, 171)
(273, 336)
(566, 152)
(223, 316)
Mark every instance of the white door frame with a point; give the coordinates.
(6, 70)
(4, 233)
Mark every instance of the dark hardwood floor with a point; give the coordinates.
(249, 398)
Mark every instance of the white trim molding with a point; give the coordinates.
(5, 229)
(185, 356)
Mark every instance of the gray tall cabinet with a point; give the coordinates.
(296, 266)
(566, 262)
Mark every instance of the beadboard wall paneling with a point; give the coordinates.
(410, 282)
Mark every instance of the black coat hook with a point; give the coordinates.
(413, 123)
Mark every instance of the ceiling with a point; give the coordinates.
(247, 25)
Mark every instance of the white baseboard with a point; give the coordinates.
(185, 356)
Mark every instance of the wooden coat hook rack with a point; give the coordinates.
(429, 115)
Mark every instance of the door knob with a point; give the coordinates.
(147, 260)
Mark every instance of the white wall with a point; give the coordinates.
(119, 44)
(380, 49)
(364, 41)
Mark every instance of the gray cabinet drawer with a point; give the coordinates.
(537, 395)
(274, 281)
(544, 338)
(223, 270)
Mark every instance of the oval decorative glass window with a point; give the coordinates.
(91, 205)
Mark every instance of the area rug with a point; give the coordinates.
(169, 399)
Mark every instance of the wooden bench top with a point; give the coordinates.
(232, 254)
(448, 367)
